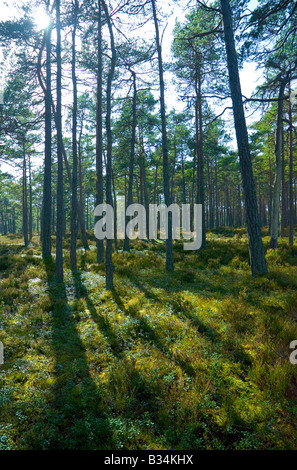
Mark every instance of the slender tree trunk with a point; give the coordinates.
(270, 194)
(30, 202)
(217, 195)
(143, 180)
(24, 198)
(108, 251)
(99, 138)
(210, 191)
(199, 148)
(257, 258)
(13, 221)
(87, 214)
(80, 176)
(278, 167)
(239, 219)
(193, 192)
(60, 201)
(132, 156)
(291, 157)
(73, 241)
(47, 182)
(284, 192)
(183, 180)
(115, 207)
(156, 182)
(169, 243)
(173, 169)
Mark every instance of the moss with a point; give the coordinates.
(195, 359)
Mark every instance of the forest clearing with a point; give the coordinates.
(148, 214)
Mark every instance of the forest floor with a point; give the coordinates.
(195, 359)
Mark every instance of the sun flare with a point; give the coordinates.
(41, 19)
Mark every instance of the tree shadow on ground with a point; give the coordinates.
(78, 418)
(236, 351)
(152, 336)
(102, 323)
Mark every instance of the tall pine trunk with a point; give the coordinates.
(73, 241)
(30, 201)
(169, 243)
(132, 156)
(200, 198)
(108, 251)
(291, 200)
(60, 202)
(256, 250)
(278, 167)
(99, 138)
(25, 198)
(46, 213)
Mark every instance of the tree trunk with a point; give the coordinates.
(270, 194)
(47, 182)
(80, 208)
(200, 199)
(169, 244)
(60, 202)
(132, 156)
(99, 138)
(143, 181)
(73, 241)
(183, 180)
(217, 195)
(257, 258)
(25, 199)
(278, 167)
(284, 191)
(30, 202)
(108, 251)
(291, 202)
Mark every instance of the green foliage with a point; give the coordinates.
(197, 359)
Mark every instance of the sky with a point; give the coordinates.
(249, 76)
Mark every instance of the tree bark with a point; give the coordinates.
(132, 156)
(278, 166)
(99, 138)
(291, 158)
(199, 149)
(25, 198)
(256, 250)
(284, 192)
(108, 251)
(60, 202)
(169, 243)
(47, 181)
(73, 241)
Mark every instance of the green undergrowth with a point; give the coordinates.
(194, 359)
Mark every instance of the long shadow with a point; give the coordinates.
(139, 395)
(77, 417)
(206, 330)
(149, 295)
(238, 353)
(102, 323)
(152, 336)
